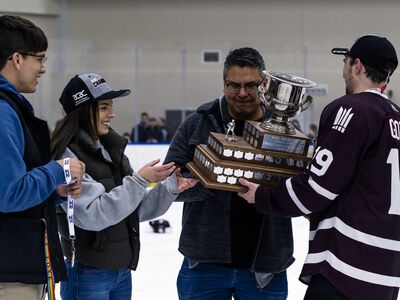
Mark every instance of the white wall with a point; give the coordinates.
(39, 7)
(154, 47)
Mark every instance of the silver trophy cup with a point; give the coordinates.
(284, 97)
(267, 153)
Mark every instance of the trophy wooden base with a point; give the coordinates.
(260, 156)
(212, 184)
(242, 152)
(225, 174)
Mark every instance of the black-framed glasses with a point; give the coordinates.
(250, 87)
(41, 58)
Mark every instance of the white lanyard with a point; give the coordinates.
(70, 210)
(377, 91)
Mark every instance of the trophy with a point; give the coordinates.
(269, 152)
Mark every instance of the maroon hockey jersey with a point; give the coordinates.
(351, 191)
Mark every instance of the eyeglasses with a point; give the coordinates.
(249, 87)
(41, 58)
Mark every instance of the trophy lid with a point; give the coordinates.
(291, 79)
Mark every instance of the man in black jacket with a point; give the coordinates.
(230, 249)
(28, 178)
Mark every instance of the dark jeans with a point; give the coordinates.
(215, 282)
(90, 283)
(320, 288)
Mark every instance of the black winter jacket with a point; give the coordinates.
(22, 253)
(118, 245)
(206, 228)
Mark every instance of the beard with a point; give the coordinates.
(349, 84)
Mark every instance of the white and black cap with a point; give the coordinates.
(87, 88)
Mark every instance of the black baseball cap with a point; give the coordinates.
(374, 51)
(85, 89)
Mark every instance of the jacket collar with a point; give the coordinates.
(109, 141)
(8, 88)
(219, 105)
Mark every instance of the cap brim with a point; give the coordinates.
(114, 94)
(340, 51)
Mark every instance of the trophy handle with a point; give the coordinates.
(261, 93)
(307, 103)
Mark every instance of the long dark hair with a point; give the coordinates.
(67, 131)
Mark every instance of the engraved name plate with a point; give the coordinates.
(283, 143)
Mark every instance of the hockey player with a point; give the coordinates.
(351, 189)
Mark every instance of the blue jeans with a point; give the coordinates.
(90, 283)
(211, 281)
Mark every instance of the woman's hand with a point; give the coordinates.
(153, 173)
(74, 190)
(184, 183)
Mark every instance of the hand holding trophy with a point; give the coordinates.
(269, 152)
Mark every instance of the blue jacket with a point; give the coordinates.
(27, 200)
(19, 189)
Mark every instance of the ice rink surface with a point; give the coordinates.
(160, 260)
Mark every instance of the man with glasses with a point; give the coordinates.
(30, 183)
(230, 249)
(40, 57)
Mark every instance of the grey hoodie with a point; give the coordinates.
(96, 210)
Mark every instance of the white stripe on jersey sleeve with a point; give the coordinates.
(342, 267)
(357, 235)
(320, 190)
(296, 200)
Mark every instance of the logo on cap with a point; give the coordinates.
(97, 82)
(80, 97)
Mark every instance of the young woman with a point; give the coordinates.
(114, 199)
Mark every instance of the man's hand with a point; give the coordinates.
(184, 183)
(74, 190)
(76, 167)
(153, 173)
(250, 195)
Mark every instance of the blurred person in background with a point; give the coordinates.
(153, 132)
(139, 132)
(161, 123)
(127, 136)
(313, 133)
